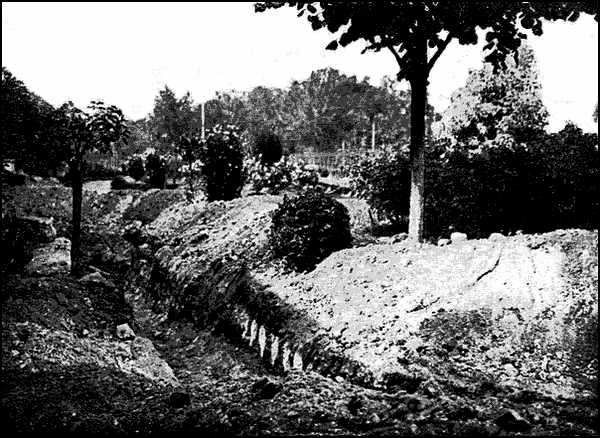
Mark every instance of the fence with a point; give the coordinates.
(335, 162)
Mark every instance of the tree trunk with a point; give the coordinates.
(77, 189)
(373, 133)
(418, 103)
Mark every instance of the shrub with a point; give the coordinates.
(548, 183)
(268, 146)
(135, 167)
(222, 163)
(323, 172)
(383, 180)
(270, 178)
(157, 170)
(307, 228)
(304, 175)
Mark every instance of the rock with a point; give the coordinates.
(95, 278)
(443, 242)
(179, 399)
(265, 388)
(512, 421)
(399, 237)
(495, 237)
(124, 332)
(51, 259)
(34, 229)
(457, 237)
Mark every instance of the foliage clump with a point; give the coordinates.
(221, 156)
(287, 173)
(267, 145)
(135, 167)
(156, 165)
(382, 179)
(307, 228)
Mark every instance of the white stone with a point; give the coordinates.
(262, 340)
(253, 332)
(274, 348)
(458, 237)
(443, 242)
(125, 332)
(285, 357)
(494, 237)
(297, 360)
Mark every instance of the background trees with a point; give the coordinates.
(504, 106)
(27, 124)
(417, 33)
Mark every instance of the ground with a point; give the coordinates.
(64, 368)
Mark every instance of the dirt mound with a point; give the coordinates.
(521, 310)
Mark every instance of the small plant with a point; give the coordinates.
(135, 167)
(307, 228)
(269, 178)
(157, 170)
(221, 156)
(267, 146)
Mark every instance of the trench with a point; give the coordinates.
(226, 299)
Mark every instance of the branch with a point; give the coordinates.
(439, 52)
(398, 58)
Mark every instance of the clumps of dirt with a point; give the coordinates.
(498, 308)
(63, 303)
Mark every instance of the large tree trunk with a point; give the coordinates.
(418, 103)
(77, 188)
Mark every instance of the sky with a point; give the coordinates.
(124, 53)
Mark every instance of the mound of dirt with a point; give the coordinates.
(519, 311)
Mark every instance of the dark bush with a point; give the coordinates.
(222, 163)
(307, 228)
(135, 168)
(549, 183)
(383, 180)
(156, 167)
(323, 172)
(268, 145)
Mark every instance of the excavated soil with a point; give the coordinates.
(63, 368)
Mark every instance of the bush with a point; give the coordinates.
(383, 180)
(157, 170)
(549, 183)
(268, 146)
(307, 228)
(135, 167)
(270, 178)
(222, 163)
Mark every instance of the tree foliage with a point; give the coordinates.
(417, 33)
(27, 126)
(492, 106)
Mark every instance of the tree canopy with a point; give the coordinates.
(417, 33)
(502, 107)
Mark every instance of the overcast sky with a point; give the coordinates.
(123, 53)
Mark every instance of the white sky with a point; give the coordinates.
(123, 53)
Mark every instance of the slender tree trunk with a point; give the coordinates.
(418, 103)
(77, 189)
(373, 133)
